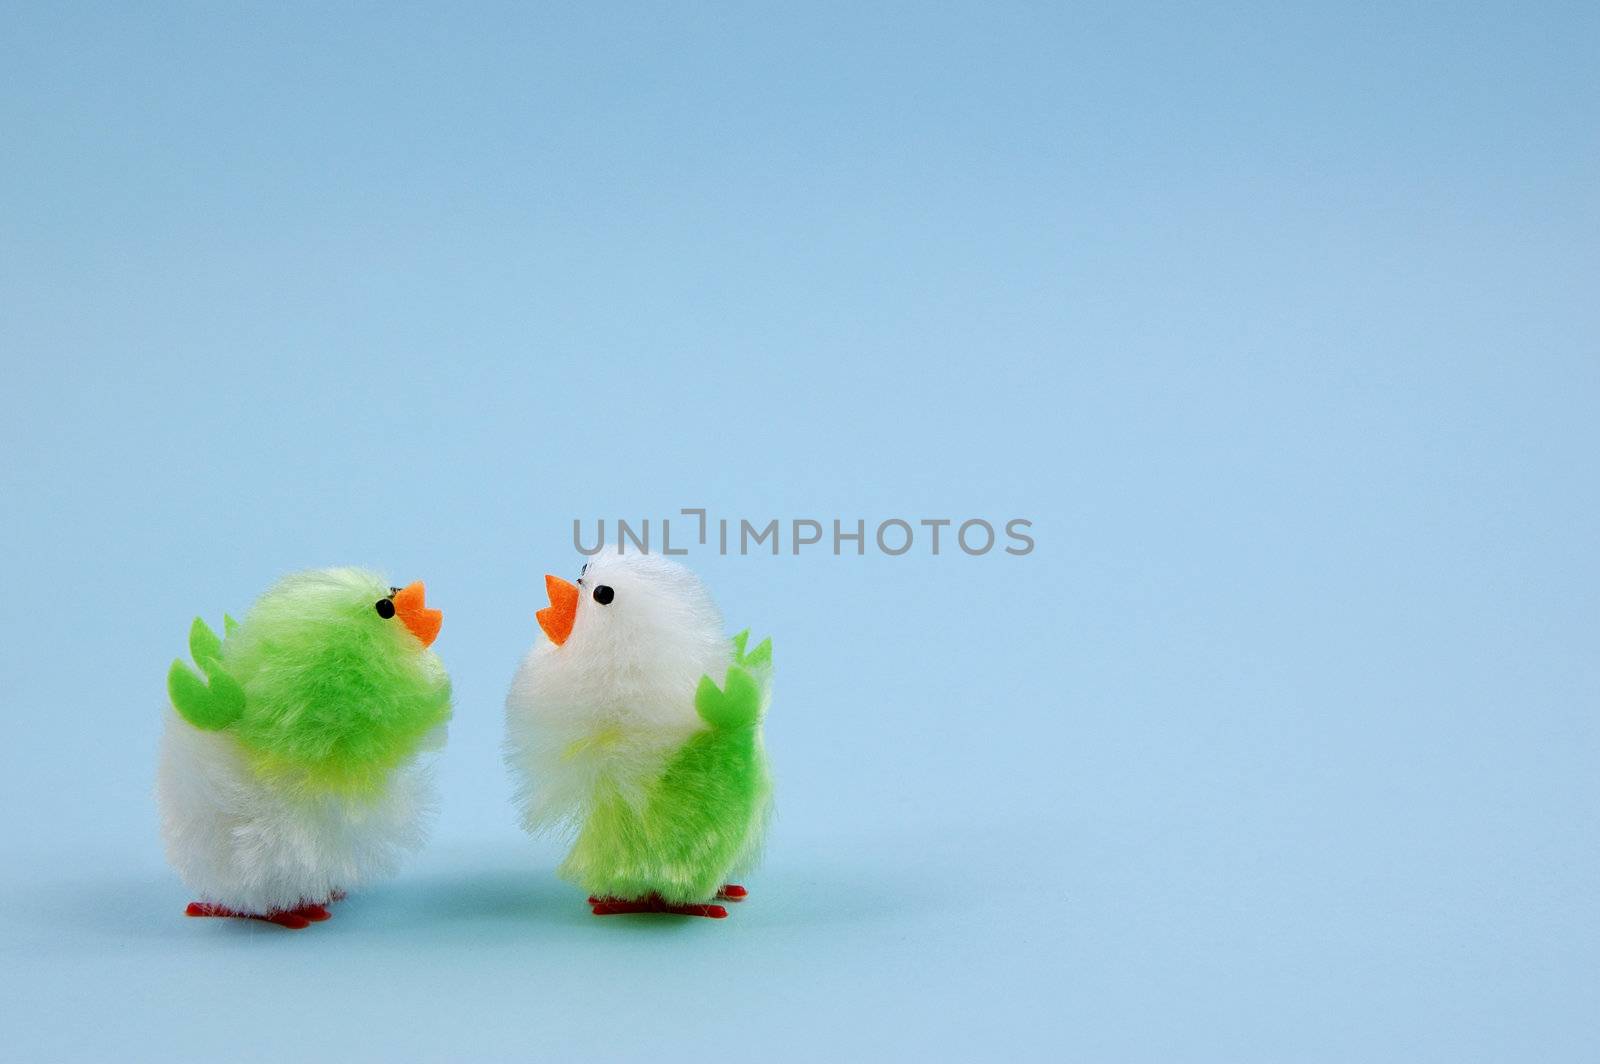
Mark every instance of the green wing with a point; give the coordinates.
(743, 695)
(215, 701)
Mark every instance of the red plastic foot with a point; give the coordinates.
(732, 892)
(294, 920)
(654, 904)
(315, 913)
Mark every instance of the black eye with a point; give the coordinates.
(603, 594)
(385, 608)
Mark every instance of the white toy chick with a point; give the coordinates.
(618, 730)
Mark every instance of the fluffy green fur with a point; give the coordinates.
(706, 813)
(315, 684)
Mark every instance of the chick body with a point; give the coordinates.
(622, 734)
(290, 773)
(262, 845)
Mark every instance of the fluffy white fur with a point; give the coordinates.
(259, 847)
(609, 707)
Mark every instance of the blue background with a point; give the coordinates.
(1278, 322)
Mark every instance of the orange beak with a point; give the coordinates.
(556, 619)
(410, 606)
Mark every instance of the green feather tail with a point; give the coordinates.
(216, 701)
(759, 658)
(743, 694)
